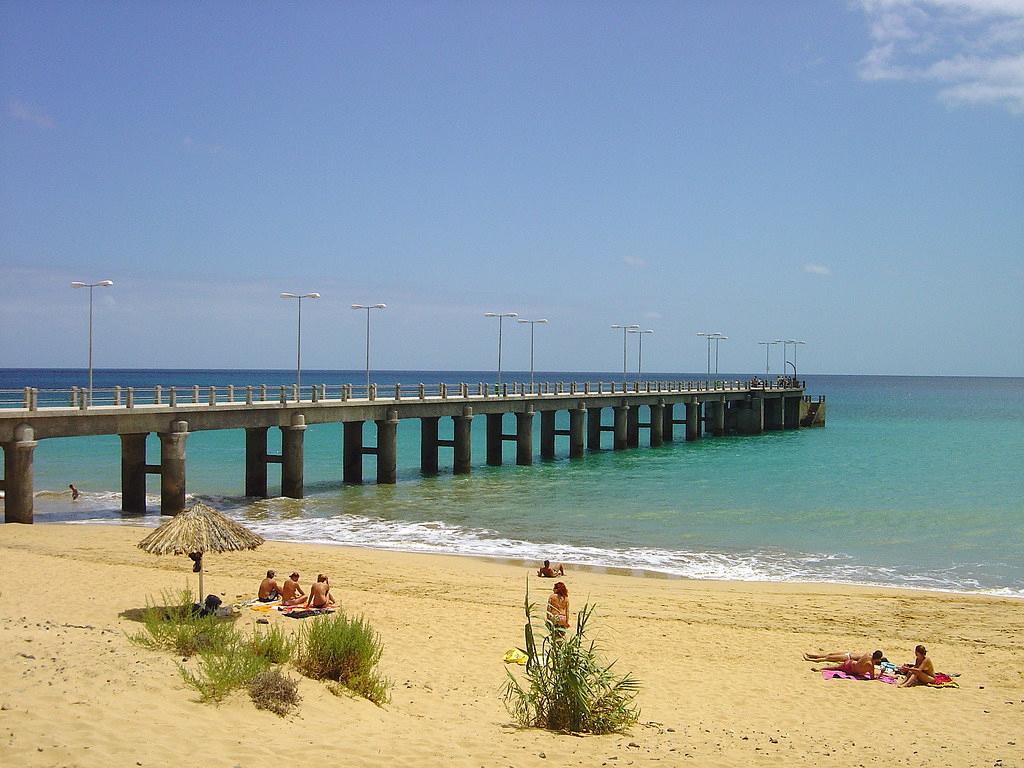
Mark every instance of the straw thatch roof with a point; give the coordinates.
(199, 529)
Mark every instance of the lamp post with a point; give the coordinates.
(90, 286)
(368, 307)
(640, 352)
(716, 337)
(794, 342)
(767, 346)
(625, 329)
(298, 345)
(532, 324)
(501, 316)
(785, 358)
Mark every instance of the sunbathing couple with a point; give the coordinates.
(292, 594)
(921, 672)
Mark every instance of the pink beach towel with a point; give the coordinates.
(828, 674)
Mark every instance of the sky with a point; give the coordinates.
(850, 174)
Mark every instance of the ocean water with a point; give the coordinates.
(914, 482)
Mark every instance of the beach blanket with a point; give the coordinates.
(830, 674)
(943, 680)
(305, 614)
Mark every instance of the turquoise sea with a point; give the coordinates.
(915, 481)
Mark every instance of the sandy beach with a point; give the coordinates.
(720, 663)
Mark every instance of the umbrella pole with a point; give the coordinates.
(202, 567)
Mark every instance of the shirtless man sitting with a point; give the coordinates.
(850, 662)
(921, 672)
(269, 591)
(291, 592)
(547, 572)
(320, 593)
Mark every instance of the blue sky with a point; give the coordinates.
(846, 173)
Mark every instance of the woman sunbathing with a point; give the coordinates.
(850, 662)
(921, 672)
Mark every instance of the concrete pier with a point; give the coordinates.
(713, 408)
(133, 472)
(172, 468)
(292, 457)
(18, 483)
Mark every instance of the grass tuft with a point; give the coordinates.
(173, 626)
(345, 650)
(224, 670)
(567, 686)
(274, 691)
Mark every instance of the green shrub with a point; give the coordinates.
(274, 644)
(224, 670)
(345, 650)
(274, 691)
(567, 686)
(173, 626)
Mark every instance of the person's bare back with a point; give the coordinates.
(320, 593)
(269, 590)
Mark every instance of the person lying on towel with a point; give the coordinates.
(850, 662)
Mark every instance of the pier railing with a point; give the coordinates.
(34, 399)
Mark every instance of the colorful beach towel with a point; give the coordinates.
(943, 680)
(304, 614)
(829, 674)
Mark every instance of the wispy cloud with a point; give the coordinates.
(817, 269)
(972, 49)
(26, 113)
(634, 261)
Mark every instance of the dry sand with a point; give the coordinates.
(723, 681)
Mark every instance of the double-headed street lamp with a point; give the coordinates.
(716, 337)
(532, 324)
(767, 346)
(785, 343)
(640, 352)
(501, 316)
(90, 286)
(298, 345)
(368, 307)
(625, 329)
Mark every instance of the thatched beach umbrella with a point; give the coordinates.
(196, 531)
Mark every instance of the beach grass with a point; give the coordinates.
(345, 650)
(568, 687)
(174, 626)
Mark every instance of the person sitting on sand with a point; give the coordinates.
(558, 609)
(850, 662)
(269, 591)
(547, 572)
(921, 672)
(320, 593)
(291, 592)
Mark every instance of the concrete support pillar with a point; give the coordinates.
(621, 419)
(547, 434)
(667, 422)
(524, 438)
(773, 416)
(791, 412)
(463, 443)
(494, 427)
(594, 428)
(657, 424)
(633, 427)
(352, 459)
(750, 417)
(718, 417)
(293, 457)
(428, 445)
(133, 472)
(387, 448)
(18, 480)
(256, 462)
(576, 418)
(172, 468)
(693, 420)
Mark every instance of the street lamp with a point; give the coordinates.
(90, 286)
(716, 337)
(532, 324)
(794, 342)
(625, 330)
(785, 358)
(298, 345)
(501, 316)
(640, 353)
(767, 345)
(368, 307)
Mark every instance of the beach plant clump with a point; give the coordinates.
(345, 650)
(224, 670)
(274, 691)
(567, 686)
(274, 644)
(174, 626)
